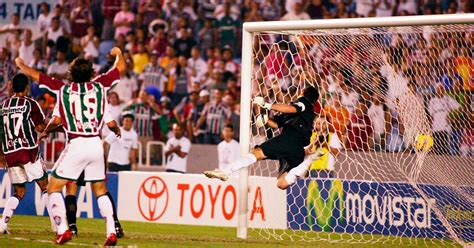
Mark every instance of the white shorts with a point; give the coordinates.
(81, 154)
(27, 173)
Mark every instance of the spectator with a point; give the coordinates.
(206, 36)
(338, 116)
(233, 8)
(439, 107)
(145, 110)
(252, 12)
(215, 114)
(64, 23)
(296, 14)
(196, 65)
(44, 19)
(90, 43)
(153, 74)
(408, 6)
(54, 32)
(169, 60)
(176, 150)
(184, 44)
(378, 117)
(315, 9)
(123, 19)
(140, 59)
(59, 69)
(349, 97)
(167, 118)
(11, 28)
(109, 9)
(122, 155)
(329, 143)
(132, 44)
(364, 7)
(360, 130)
(159, 42)
(196, 129)
(226, 28)
(229, 149)
(81, 18)
(27, 47)
(7, 70)
(384, 8)
(270, 10)
(229, 64)
(182, 81)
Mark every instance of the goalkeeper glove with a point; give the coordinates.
(261, 120)
(261, 102)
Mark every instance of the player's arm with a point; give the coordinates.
(133, 158)
(52, 126)
(112, 125)
(280, 107)
(119, 60)
(28, 71)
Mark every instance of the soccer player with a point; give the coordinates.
(22, 117)
(72, 186)
(81, 107)
(296, 120)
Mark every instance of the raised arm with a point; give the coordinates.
(119, 60)
(28, 71)
(280, 107)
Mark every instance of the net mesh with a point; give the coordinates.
(399, 101)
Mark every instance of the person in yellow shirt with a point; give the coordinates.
(140, 59)
(329, 143)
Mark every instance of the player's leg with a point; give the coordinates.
(10, 206)
(106, 210)
(68, 167)
(94, 172)
(243, 162)
(118, 226)
(71, 206)
(37, 172)
(286, 179)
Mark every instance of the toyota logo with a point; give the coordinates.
(153, 198)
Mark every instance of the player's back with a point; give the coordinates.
(20, 116)
(81, 107)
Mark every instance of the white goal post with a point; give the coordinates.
(249, 30)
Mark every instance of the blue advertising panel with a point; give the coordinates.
(33, 204)
(365, 207)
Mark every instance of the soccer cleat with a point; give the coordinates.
(73, 229)
(119, 230)
(111, 240)
(63, 238)
(223, 176)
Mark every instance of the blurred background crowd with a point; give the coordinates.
(183, 61)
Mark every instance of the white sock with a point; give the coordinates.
(241, 163)
(10, 207)
(107, 212)
(298, 171)
(58, 212)
(46, 203)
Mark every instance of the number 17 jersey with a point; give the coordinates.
(20, 116)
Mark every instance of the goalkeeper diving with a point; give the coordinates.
(296, 123)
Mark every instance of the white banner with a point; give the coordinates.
(197, 200)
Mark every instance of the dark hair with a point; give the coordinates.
(20, 81)
(128, 115)
(17, 15)
(311, 93)
(229, 126)
(56, 18)
(81, 70)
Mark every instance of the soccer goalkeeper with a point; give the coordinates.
(296, 120)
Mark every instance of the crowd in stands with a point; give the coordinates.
(184, 67)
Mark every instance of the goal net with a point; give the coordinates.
(396, 102)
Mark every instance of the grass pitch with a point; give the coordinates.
(34, 231)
